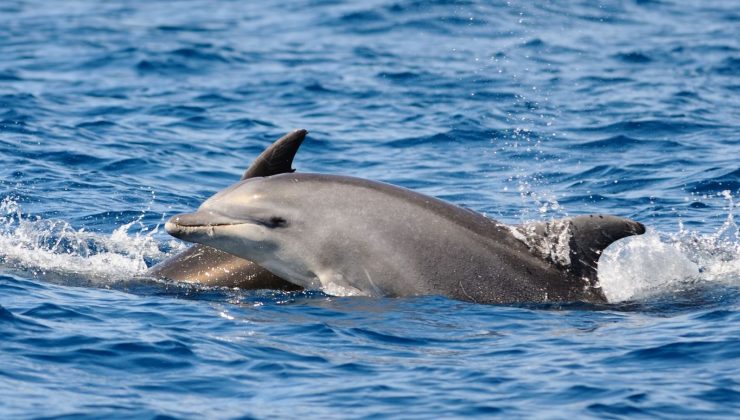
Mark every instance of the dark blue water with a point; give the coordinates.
(115, 115)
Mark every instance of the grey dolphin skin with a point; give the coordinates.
(352, 236)
(213, 267)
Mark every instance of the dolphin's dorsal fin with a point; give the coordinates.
(278, 158)
(575, 244)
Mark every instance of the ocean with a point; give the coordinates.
(116, 115)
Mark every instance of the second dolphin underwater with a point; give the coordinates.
(347, 235)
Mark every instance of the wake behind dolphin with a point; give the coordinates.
(347, 235)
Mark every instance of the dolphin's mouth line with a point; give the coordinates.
(187, 225)
(196, 223)
(212, 225)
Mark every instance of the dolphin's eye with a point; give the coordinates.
(276, 222)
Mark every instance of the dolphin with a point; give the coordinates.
(213, 267)
(352, 236)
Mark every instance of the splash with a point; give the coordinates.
(651, 264)
(551, 243)
(53, 248)
(537, 201)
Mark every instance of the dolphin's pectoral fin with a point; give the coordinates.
(278, 158)
(575, 244)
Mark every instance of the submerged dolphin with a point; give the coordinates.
(213, 267)
(347, 235)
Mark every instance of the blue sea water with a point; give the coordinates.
(116, 115)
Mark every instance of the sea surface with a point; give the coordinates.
(116, 115)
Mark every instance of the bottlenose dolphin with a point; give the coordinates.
(347, 235)
(213, 267)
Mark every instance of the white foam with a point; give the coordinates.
(55, 247)
(640, 266)
(552, 244)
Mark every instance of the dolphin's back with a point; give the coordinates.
(433, 247)
(350, 235)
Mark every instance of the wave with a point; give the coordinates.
(726, 182)
(53, 249)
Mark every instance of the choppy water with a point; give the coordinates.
(115, 115)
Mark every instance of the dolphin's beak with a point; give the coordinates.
(188, 225)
